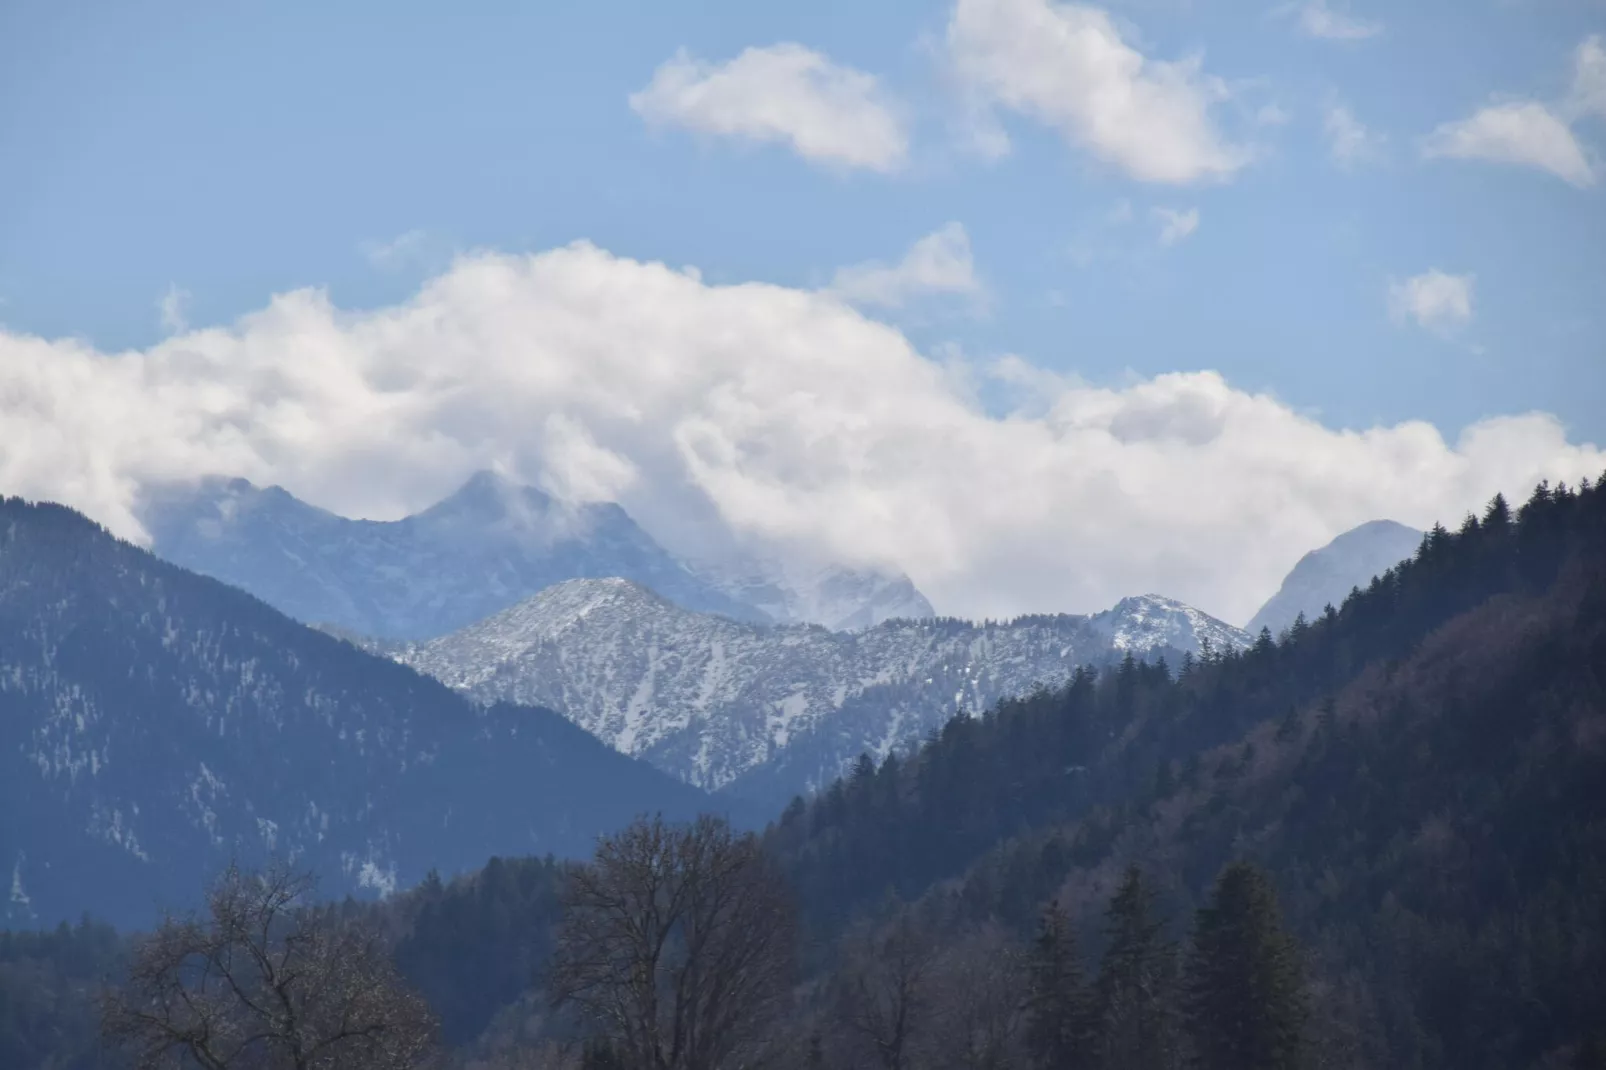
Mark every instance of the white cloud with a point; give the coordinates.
(172, 309)
(400, 251)
(1434, 299)
(1531, 133)
(1528, 133)
(939, 263)
(1349, 142)
(1589, 78)
(1175, 225)
(777, 413)
(785, 93)
(1068, 66)
(1316, 19)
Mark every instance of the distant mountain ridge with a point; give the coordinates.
(771, 710)
(155, 723)
(1327, 575)
(476, 552)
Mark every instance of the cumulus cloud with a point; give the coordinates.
(172, 310)
(779, 414)
(1534, 134)
(826, 112)
(1349, 142)
(1068, 66)
(1434, 299)
(939, 263)
(1527, 133)
(1175, 225)
(1316, 19)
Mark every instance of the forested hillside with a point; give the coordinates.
(1422, 771)
(48, 984)
(155, 723)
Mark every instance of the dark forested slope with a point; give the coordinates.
(1423, 772)
(1105, 739)
(154, 723)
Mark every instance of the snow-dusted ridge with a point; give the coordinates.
(714, 701)
(480, 550)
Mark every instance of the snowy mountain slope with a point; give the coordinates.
(713, 700)
(480, 550)
(1328, 574)
(155, 723)
(1149, 622)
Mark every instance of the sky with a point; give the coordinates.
(1043, 303)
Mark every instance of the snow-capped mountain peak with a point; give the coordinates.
(477, 551)
(774, 709)
(1149, 621)
(565, 606)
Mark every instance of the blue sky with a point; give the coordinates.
(238, 150)
(218, 154)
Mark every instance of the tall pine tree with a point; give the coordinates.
(1059, 1027)
(1244, 998)
(1136, 986)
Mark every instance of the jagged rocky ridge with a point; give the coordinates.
(154, 723)
(478, 551)
(770, 711)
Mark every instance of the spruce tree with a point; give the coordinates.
(1136, 984)
(1058, 1025)
(1244, 999)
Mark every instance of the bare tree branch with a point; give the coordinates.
(265, 981)
(677, 945)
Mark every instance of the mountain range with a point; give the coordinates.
(771, 711)
(155, 723)
(157, 718)
(1417, 770)
(476, 552)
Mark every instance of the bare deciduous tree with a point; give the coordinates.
(883, 993)
(264, 980)
(979, 1004)
(677, 945)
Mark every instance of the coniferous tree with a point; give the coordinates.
(1243, 994)
(1059, 1033)
(1136, 984)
